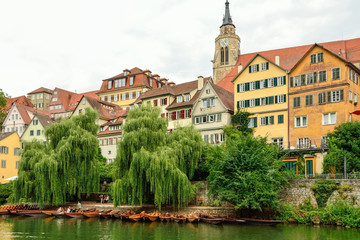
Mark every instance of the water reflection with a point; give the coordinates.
(93, 228)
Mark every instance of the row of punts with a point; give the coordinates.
(142, 216)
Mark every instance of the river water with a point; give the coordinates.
(68, 229)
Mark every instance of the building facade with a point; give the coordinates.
(41, 98)
(36, 129)
(9, 155)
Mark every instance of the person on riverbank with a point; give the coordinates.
(101, 198)
(79, 205)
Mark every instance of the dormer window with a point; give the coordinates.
(207, 91)
(54, 99)
(187, 97)
(109, 84)
(131, 81)
(179, 99)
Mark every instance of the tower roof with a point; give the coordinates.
(227, 18)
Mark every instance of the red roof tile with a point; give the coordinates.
(24, 112)
(350, 51)
(40, 90)
(22, 100)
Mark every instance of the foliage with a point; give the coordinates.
(338, 213)
(239, 122)
(323, 190)
(3, 102)
(152, 165)
(246, 172)
(344, 142)
(65, 166)
(5, 191)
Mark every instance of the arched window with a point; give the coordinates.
(222, 57)
(226, 56)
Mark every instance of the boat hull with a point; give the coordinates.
(262, 222)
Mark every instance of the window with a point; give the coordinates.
(316, 58)
(281, 81)
(324, 141)
(254, 68)
(131, 80)
(197, 120)
(123, 96)
(54, 99)
(262, 83)
(187, 97)
(206, 138)
(308, 100)
(163, 101)
(178, 114)
(322, 76)
(35, 122)
(264, 66)
(211, 118)
(179, 99)
(350, 96)
(187, 113)
(3, 163)
(252, 86)
(51, 107)
(31, 132)
(4, 150)
(301, 121)
(241, 87)
(355, 98)
(278, 141)
(208, 102)
(218, 117)
(263, 101)
(322, 98)
(270, 82)
(280, 119)
(280, 98)
(204, 119)
(207, 91)
(253, 122)
(267, 120)
(329, 118)
(297, 81)
(110, 84)
(335, 73)
(38, 132)
(297, 102)
(336, 96)
(17, 164)
(17, 151)
(311, 78)
(137, 94)
(303, 143)
(252, 102)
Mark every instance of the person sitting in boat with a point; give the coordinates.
(68, 210)
(60, 210)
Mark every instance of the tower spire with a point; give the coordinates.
(227, 18)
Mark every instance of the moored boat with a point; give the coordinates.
(59, 215)
(254, 221)
(192, 218)
(165, 217)
(105, 214)
(93, 214)
(137, 217)
(4, 212)
(74, 214)
(125, 216)
(49, 212)
(215, 221)
(179, 218)
(152, 216)
(32, 213)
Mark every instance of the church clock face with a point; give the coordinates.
(224, 42)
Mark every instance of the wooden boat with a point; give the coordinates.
(125, 216)
(254, 221)
(137, 217)
(192, 218)
(32, 213)
(152, 216)
(179, 218)
(105, 214)
(74, 214)
(233, 220)
(4, 212)
(165, 217)
(211, 219)
(49, 212)
(93, 214)
(59, 215)
(115, 214)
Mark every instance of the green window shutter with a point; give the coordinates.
(275, 82)
(257, 85)
(342, 95)
(284, 97)
(315, 76)
(238, 88)
(280, 118)
(329, 97)
(271, 100)
(257, 67)
(255, 121)
(276, 99)
(284, 80)
(319, 98)
(247, 103)
(303, 80)
(249, 69)
(265, 83)
(247, 86)
(291, 81)
(266, 120)
(267, 65)
(271, 119)
(238, 104)
(257, 102)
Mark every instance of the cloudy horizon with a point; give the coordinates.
(76, 44)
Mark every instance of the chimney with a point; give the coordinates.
(200, 82)
(240, 67)
(277, 60)
(171, 84)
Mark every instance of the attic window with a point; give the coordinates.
(187, 97)
(131, 81)
(207, 91)
(316, 58)
(179, 99)
(109, 84)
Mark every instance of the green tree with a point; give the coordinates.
(64, 167)
(344, 141)
(246, 172)
(3, 102)
(152, 165)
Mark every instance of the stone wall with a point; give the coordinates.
(299, 190)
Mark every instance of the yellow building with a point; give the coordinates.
(261, 88)
(9, 155)
(125, 88)
(323, 93)
(36, 129)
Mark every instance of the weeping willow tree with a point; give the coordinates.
(152, 165)
(64, 167)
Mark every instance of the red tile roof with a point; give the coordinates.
(24, 112)
(350, 51)
(40, 90)
(105, 109)
(226, 97)
(22, 100)
(66, 98)
(140, 80)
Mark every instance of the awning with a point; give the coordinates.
(11, 178)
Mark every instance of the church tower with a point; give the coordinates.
(227, 48)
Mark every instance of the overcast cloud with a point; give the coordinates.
(75, 44)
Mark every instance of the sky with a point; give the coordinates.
(75, 44)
